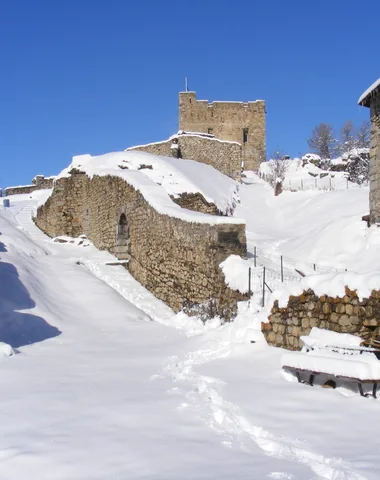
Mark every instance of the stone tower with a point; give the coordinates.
(235, 121)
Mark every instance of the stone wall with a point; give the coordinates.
(343, 315)
(178, 261)
(39, 182)
(227, 121)
(374, 195)
(223, 156)
(196, 202)
(19, 190)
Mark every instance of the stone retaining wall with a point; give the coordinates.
(19, 190)
(39, 182)
(178, 261)
(343, 315)
(223, 156)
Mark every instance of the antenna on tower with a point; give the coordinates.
(186, 85)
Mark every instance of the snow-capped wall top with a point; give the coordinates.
(157, 177)
(331, 284)
(364, 100)
(182, 133)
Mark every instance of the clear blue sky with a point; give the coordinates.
(93, 76)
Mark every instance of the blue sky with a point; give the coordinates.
(93, 76)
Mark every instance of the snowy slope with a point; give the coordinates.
(309, 176)
(104, 392)
(311, 226)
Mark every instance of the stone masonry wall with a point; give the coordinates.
(343, 315)
(19, 190)
(196, 202)
(39, 182)
(227, 120)
(223, 156)
(374, 195)
(177, 261)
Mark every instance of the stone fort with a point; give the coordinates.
(239, 122)
(172, 246)
(225, 135)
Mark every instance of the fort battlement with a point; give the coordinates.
(242, 122)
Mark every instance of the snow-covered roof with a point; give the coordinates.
(157, 178)
(365, 98)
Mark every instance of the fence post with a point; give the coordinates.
(263, 299)
(301, 184)
(315, 267)
(254, 256)
(282, 270)
(249, 282)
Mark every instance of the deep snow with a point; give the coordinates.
(99, 390)
(158, 177)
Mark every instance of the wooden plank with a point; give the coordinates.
(312, 372)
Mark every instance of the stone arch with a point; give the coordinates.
(123, 239)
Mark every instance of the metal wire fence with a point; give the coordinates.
(272, 271)
(320, 182)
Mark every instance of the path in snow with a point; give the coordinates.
(204, 395)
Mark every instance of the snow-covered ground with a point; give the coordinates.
(109, 383)
(302, 174)
(311, 226)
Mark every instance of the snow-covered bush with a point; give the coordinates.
(276, 169)
(358, 165)
(355, 163)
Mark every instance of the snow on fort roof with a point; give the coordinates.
(157, 178)
(364, 99)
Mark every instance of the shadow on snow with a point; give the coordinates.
(17, 328)
(2, 247)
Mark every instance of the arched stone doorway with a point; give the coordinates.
(123, 240)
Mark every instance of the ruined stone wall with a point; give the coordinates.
(19, 190)
(223, 156)
(343, 315)
(42, 182)
(177, 261)
(374, 195)
(38, 183)
(196, 202)
(227, 120)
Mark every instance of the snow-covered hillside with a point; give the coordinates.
(315, 226)
(303, 174)
(109, 383)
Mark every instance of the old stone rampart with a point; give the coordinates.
(224, 156)
(236, 121)
(177, 260)
(39, 182)
(347, 314)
